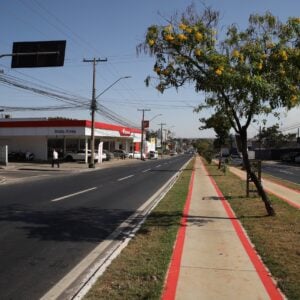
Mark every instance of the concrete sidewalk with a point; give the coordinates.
(287, 194)
(215, 259)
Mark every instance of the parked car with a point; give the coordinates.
(20, 156)
(153, 155)
(109, 155)
(80, 155)
(136, 154)
(120, 153)
(172, 153)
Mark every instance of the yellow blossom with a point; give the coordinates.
(198, 52)
(284, 55)
(151, 42)
(182, 26)
(169, 37)
(198, 36)
(235, 53)
(189, 30)
(218, 71)
(182, 37)
(260, 66)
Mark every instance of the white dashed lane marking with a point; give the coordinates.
(74, 194)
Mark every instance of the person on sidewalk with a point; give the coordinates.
(55, 159)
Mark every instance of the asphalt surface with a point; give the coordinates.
(287, 172)
(50, 223)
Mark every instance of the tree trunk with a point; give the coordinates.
(220, 159)
(257, 183)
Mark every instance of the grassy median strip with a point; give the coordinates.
(140, 270)
(276, 239)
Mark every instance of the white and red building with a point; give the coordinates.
(39, 136)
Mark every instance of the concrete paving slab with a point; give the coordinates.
(208, 284)
(287, 194)
(214, 262)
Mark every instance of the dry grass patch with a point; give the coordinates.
(276, 239)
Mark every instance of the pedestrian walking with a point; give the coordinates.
(55, 159)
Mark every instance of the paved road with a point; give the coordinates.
(283, 171)
(47, 226)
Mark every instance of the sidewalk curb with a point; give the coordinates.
(169, 291)
(266, 277)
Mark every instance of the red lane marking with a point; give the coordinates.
(282, 184)
(290, 202)
(277, 195)
(266, 279)
(173, 273)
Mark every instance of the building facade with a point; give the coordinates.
(40, 136)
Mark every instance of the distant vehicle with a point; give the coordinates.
(172, 153)
(80, 155)
(120, 153)
(136, 154)
(153, 155)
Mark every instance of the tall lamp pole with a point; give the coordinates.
(94, 105)
(142, 128)
(93, 109)
(161, 138)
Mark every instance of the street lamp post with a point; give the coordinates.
(142, 128)
(155, 117)
(94, 106)
(161, 138)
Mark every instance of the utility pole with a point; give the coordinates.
(161, 138)
(93, 108)
(142, 127)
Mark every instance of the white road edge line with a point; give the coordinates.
(74, 194)
(96, 265)
(120, 179)
(146, 170)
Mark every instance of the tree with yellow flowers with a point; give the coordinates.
(247, 74)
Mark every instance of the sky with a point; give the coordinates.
(112, 30)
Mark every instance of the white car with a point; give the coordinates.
(136, 154)
(80, 155)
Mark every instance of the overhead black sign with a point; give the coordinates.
(38, 54)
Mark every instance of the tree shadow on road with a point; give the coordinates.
(75, 224)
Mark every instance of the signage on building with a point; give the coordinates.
(125, 132)
(146, 124)
(65, 131)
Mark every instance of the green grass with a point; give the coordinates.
(139, 271)
(276, 239)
